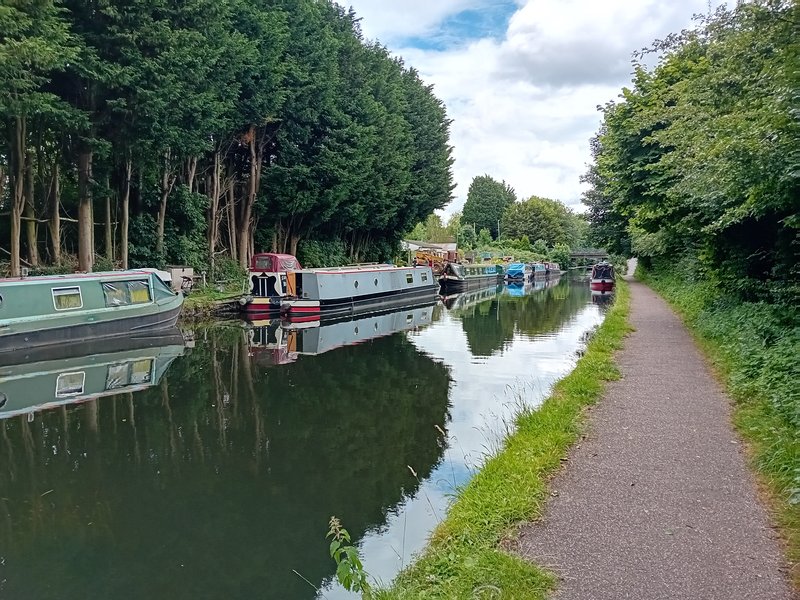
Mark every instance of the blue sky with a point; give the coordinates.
(522, 79)
(486, 21)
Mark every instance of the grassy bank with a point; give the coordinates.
(754, 346)
(464, 558)
(202, 303)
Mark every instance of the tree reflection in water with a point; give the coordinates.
(221, 480)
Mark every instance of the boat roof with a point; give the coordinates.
(71, 276)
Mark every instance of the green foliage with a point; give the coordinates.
(315, 253)
(349, 569)
(467, 238)
(701, 154)
(484, 237)
(277, 117)
(543, 219)
(487, 200)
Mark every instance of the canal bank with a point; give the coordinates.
(465, 557)
(656, 502)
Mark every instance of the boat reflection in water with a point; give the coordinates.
(77, 373)
(454, 302)
(277, 341)
(602, 298)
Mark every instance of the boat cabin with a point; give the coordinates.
(268, 274)
(603, 272)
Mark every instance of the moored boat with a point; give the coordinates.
(457, 277)
(539, 270)
(552, 269)
(279, 284)
(61, 309)
(603, 277)
(519, 272)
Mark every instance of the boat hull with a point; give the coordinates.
(339, 307)
(96, 330)
(601, 285)
(452, 284)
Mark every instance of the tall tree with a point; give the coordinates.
(487, 200)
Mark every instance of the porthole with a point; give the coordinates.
(3, 399)
(376, 282)
(1, 301)
(355, 284)
(355, 331)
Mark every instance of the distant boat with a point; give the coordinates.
(539, 270)
(82, 372)
(519, 272)
(280, 284)
(552, 268)
(457, 277)
(602, 279)
(64, 309)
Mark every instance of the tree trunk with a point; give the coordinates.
(245, 225)
(167, 181)
(31, 228)
(213, 209)
(54, 223)
(191, 170)
(125, 213)
(293, 244)
(85, 219)
(232, 217)
(18, 152)
(109, 238)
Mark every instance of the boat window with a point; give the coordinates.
(3, 399)
(122, 293)
(141, 371)
(68, 298)
(70, 384)
(409, 278)
(1, 301)
(130, 373)
(355, 284)
(424, 277)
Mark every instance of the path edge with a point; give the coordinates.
(469, 552)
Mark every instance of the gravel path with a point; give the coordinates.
(657, 502)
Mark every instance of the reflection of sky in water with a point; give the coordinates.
(484, 396)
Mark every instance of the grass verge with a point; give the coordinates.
(202, 303)
(754, 347)
(464, 558)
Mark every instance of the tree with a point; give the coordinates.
(484, 237)
(487, 200)
(467, 238)
(541, 218)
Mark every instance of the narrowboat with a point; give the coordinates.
(458, 277)
(50, 379)
(552, 268)
(539, 270)
(519, 272)
(602, 279)
(280, 284)
(277, 341)
(64, 309)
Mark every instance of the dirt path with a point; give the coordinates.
(657, 502)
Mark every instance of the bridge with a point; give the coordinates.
(584, 258)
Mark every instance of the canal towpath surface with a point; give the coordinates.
(656, 502)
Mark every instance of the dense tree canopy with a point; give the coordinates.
(189, 131)
(702, 153)
(487, 199)
(543, 219)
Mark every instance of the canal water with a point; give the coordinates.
(209, 468)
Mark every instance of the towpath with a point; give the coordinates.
(656, 503)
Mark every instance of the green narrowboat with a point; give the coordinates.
(458, 277)
(65, 309)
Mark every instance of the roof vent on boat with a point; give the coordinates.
(24, 272)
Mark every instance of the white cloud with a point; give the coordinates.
(523, 103)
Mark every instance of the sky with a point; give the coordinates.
(522, 79)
